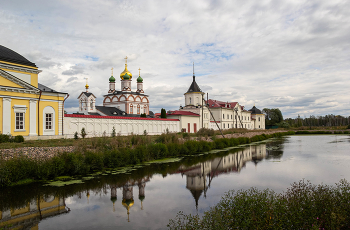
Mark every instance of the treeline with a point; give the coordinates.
(328, 120)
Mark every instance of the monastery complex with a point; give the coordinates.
(35, 111)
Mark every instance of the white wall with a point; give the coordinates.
(97, 126)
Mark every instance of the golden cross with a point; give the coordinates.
(86, 80)
(112, 71)
(126, 59)
(139, 71)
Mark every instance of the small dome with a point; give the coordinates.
(111, 79)
(128, 203)
(139, 79)
(126, 77)
(113, 199)
(126, 71)
(141, 198)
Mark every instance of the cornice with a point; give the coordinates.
(17, 90)
(19, 68)
(27, 87)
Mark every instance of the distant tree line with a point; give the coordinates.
(327, 120)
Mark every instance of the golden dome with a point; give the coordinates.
(124, 72)
(128, 203)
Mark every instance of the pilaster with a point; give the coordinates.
(32, 118)
(6, 113)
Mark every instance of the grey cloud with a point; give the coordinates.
(74, 70)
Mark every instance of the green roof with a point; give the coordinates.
(111, 79)
(126, 76)
(113, 199)
(139, 79)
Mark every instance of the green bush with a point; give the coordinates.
(18, 139)
(5, 138)
(205, 132)
(303, 206)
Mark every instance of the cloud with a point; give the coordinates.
(74, 70)
(289, 54)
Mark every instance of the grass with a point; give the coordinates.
(302, 206)
(106, 153)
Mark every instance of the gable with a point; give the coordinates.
(6, 82)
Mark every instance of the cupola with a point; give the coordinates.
(126, 71)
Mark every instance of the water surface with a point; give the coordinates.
(149, 196)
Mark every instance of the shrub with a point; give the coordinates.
(5, 138)
(18, 139)
(303, 206)
(113, 134)
(206, 132)
(83, 133)
(76, 137)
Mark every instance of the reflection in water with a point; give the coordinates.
(30, 214)
(199, 172)
(200, 176)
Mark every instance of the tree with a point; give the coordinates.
(272, 116)
(162, 113)
(143, 115)
(83, 133)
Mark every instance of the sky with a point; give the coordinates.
(293, 55)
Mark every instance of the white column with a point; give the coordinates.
(32, 118)
(6, 113)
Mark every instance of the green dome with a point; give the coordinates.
(126, 76)
(141, 198)
(139, 79)
(111, 79)
(113, 199)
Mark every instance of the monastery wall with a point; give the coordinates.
(98, 125)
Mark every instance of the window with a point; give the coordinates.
(19, 121)
(231, 116)
(248, 118)
(131, 109)
(259, 120)
(190, 100)
(228, 126)
(224, 125)
(48, 121)
(138, 110)
(91, 105)
(228, 116)
(223, 116)
(259, 126)
(236, 118)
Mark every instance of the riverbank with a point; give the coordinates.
(45, 149)
(110, 153)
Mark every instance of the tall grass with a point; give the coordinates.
(302, 206)
(101, 153)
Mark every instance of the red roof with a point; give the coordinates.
(182, 113)
(218, 104)
(119, 117)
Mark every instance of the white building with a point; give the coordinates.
(199, 113)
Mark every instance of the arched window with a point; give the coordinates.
(138, 109)
(131, 109)
(91, 105)
(190, 101)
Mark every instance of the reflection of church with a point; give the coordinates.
(200, 176)
(128, 196)
(29, 216)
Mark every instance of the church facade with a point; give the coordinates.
(27, 107)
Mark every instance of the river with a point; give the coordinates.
(147, 197)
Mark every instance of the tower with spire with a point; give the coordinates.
(193, 96)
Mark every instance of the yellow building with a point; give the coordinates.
(27, 107)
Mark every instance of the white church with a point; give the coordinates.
(122, 109)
